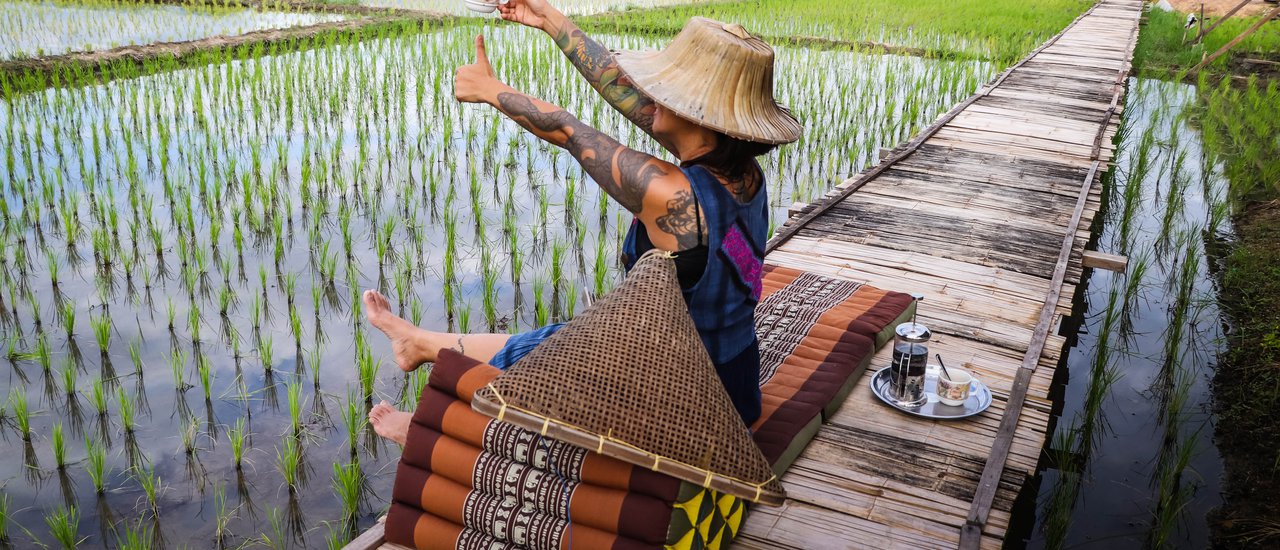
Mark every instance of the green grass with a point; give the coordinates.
(1161, 50)
(1238, 124)
(999, 30)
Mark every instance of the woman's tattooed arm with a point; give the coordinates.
(654, 190)
(600, 68)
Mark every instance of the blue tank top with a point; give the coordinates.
(722, 303)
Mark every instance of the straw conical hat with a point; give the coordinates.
(629, 378)
(718, 76)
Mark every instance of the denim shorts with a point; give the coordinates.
(520, 344)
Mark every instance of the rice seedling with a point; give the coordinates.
(206, 377)
(189, 433)
(278, 539)
(98, 397)
(193, 322)
(541, 311)
(42, 354)
(59, 445)
(348, 483)
(1172, 495)
(255, 312)
(135, 357)
(289, 461)
(177, 366)
(169, 314)
(69, 318)
(489, 300)
(223, 514)
(4, 517)
(225, 299)
(126, 410)
(294, 392)
(1057, 506)
(151, 486)
(295, 326)
(95, 464)
(21, 412)
(237, 436)
(464, 319)
(133, 537)
(70, 371)
(353, 419)
(366, 369)
(265, 353)
(415, 311)
(64, 526)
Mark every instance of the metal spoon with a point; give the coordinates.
(938, 356)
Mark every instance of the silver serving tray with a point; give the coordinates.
(979, 397)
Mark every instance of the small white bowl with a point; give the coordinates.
(481, 6)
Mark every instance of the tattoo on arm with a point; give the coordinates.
(681, 220)
(600, 68)
(623, 173)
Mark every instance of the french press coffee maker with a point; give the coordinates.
(910, 358)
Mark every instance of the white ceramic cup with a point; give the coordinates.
(954, 391)
(481, 6)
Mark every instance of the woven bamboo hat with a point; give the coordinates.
(629, 378)
(718, 76)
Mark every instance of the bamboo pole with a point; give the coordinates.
(1269, 16)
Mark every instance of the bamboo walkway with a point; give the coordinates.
(987, 213)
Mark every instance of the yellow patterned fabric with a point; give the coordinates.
(704, 519)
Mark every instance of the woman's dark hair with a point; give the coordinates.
(733, 159)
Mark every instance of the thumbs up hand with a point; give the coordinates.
(476, 83)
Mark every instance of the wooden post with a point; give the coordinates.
(1269, 16)
(1102, 260)
(1215, 24)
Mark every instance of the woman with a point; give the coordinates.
(706, 98)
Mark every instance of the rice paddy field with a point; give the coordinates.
(569, 7)
(184, 253)
(183, 246)
(1000, 31)
(35, 28)
(1133, 462)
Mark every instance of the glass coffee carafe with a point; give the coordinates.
(910, 358)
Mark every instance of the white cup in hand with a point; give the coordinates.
(483, 6)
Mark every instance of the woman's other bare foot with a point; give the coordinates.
(390, 423)
(409, 343)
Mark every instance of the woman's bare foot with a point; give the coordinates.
(390, 423)
(411, 345)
